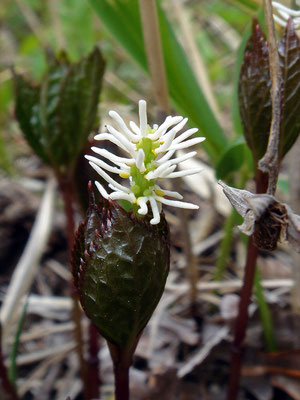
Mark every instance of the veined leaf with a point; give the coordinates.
(120, 265)
(77, 103)
(289, 56)
(57, 116)
(27, 97)
(254, 93)
(47, 121)
(239, 62)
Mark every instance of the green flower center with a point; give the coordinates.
(140, 186)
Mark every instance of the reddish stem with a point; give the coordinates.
(121, 381)
(93, 363)
(242, 318)
(67, 191)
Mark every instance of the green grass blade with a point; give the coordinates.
(251, 5)
(265, 314)
(12, 372)
(123, 22)
(185, 91)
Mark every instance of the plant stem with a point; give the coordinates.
(241, 322)
(271, 161)
(93, 363)
(121, 373)
(245, 296)
(67, 191)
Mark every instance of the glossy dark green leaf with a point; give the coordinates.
(232, 158)
(27, 100)
(289, 56)
(47, 121)
(57, 116)
(254, 93)
(120, 266)
(77, 103)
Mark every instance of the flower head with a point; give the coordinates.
(150, 159)
(285, 13)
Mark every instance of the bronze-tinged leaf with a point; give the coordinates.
(289, 56)
(254, 93)
(120, 270)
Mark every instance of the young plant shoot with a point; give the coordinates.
(120, 258)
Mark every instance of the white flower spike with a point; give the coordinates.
(284, 14)
(150, 151)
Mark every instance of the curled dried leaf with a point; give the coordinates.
(265, 217)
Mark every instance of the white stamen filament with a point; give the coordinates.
(166, 172)
(185, 172)
(123, 196)
(286, 13)
(122, 139)
(174, 203)
(113, 157)
(140, 160)
(112, 139)
(154, 174)
(135, 129)
(142, 202)
(156, 215)
(114, 115)
(102, 191)
(143, 117)
(103, 164)
(170, 193)
(165, 157)
(169, 121)
(169, 136)
(186, 144)
(185, 157)
(185, 135)
(108, 178)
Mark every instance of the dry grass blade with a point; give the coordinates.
(154, 52)
(201, 354)
(194, 55)
(25, 270)
(231, 285)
